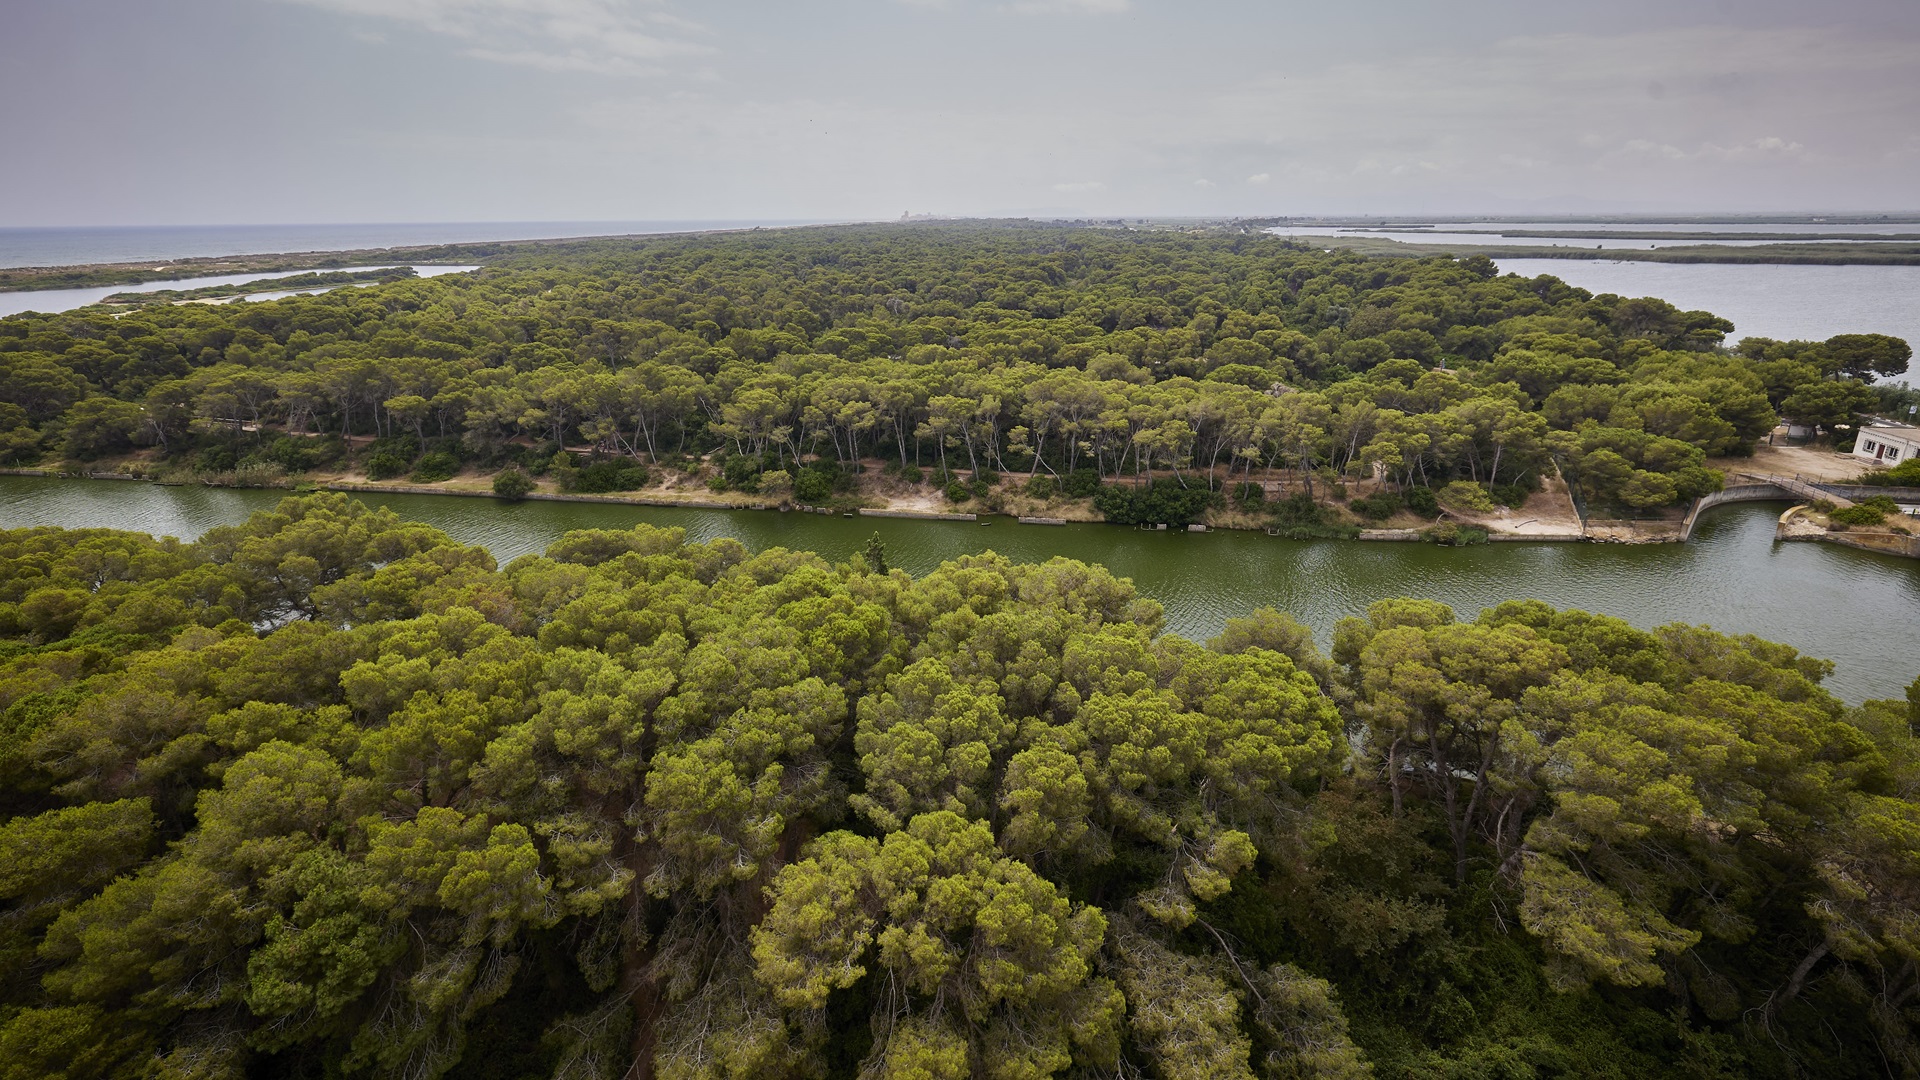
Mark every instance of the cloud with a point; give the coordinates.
(1081, 185)
(1259, 178)
(1203, 182)
(1771, 146)
(606, 37)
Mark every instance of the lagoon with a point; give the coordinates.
(50, 301)
(1852, 607)
(1781, 301)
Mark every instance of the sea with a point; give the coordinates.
(88, 245)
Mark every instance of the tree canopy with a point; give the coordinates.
(998, 349)
(329, 794)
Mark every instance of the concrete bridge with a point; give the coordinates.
(1798, 487)
(1754, 488)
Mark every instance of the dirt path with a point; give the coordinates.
(1813, 463)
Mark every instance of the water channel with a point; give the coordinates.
(1858, 609)
(1780, 301)
(49, 301)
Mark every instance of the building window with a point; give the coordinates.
(1868, 446)
(1893, 454)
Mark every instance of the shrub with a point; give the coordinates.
(912, 474)
(220, 457)
(1298, 517)
(1905, 474)
(436, 467)
(776, 482)
(1379, 506)
(611, 475)
(813, 486)
(1448, 534)
(1862, 514)
(1300, 509)
(1511, 495)
(1422, 501)
(985, 478)
(386, 465)
(1041, 487)
(290, 454)
(513, 483)
(1165, 501)
(1466, 495)
(1249, 496)
(1081, 483)
(958, 492)
(740, 474)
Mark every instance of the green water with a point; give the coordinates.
(1860, 610)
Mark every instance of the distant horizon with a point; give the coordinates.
(1565, 217)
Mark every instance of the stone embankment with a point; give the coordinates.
(1798, 524)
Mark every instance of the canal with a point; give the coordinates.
(1858, 609)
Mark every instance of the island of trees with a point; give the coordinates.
(327, 794)
(1154, 374)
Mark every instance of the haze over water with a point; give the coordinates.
(88, 245)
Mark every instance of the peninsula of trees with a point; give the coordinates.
(1163, 370)
(326, 794)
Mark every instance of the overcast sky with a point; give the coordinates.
(215, 111)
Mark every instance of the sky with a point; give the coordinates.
(162, 112)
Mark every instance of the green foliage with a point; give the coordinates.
(813, 486)
(434, 467)
(1164, 502)
(609, 475)
(1451, 534)
(328, 794)
(1863, 513)
(1092, 354)
(1511, 495)
(1379, 506)
(513, 483)
(1299, 517)
(382, 465)
(1905, 474)
(327, 786)
(1040, 487)
(1461, 495)
(1080, 484)
(1422, 501)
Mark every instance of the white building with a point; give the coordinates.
(1887, 446)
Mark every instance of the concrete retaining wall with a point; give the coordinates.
(1737, 493)
(541, 496)
(924, 515)
(1880, 543)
